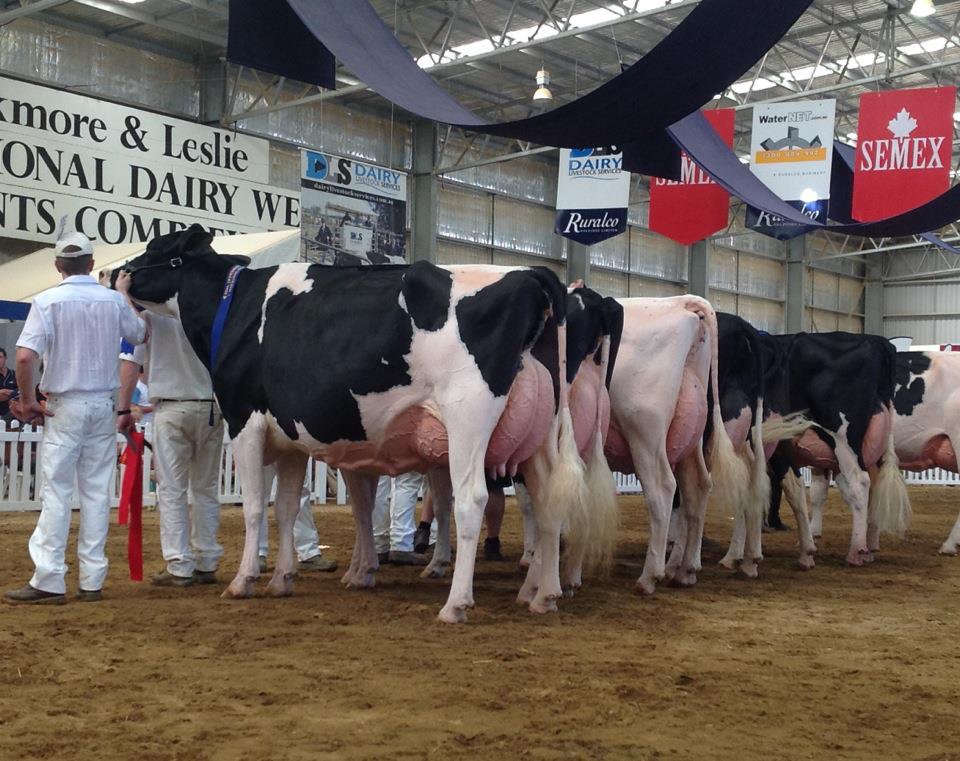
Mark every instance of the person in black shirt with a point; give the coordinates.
(8, 386)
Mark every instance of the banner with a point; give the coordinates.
(791, 152)
(593, 193)
(353, 212)
(904, 145)
(124, 175)
(695, 207)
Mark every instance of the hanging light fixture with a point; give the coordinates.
(922, 8)
(542, 92)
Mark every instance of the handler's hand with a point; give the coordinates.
(125, 424)
(123, 283)
(5, 394)
(29, 411)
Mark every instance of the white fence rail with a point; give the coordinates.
(20, 473)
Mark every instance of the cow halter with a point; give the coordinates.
(222, 310)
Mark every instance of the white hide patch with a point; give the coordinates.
(294, 278)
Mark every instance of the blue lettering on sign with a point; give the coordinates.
(317, 166)
(580, 153)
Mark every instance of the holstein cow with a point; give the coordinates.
(658, 393)
(594, 327)
(926, 424)
(383, 369)
(844, 384)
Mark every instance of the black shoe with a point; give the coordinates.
(491, 550)
(167, 579)
(205, 577)
(421, 539)
(383, 557)
(399, 557)
(89, 595)
(28, 595)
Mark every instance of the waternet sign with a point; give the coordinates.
(124, 175)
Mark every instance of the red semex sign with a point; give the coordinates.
(694, 207)
(904, 145)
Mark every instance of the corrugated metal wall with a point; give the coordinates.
(928, 313)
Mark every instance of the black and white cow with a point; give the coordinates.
(459, 372)
(844, 384)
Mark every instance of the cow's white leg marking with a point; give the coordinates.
(694, 483)
(818, 498)
(442, 491)
(362, 489)
(659, 484)
(737, 541)
(949, 547)
(796, 497)
(248, 455)
(529, 525)
(541, 589)
(291, 469)
(854, 484)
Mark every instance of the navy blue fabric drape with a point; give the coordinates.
(711, 48)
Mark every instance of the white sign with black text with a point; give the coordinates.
(593, 193)
(125, 175)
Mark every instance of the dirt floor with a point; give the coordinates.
(836, 662)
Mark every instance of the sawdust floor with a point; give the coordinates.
(836, 662)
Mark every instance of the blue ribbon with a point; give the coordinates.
(221, 318)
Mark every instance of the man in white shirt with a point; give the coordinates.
(76, 327)
(187, 441)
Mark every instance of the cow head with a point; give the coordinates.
(159, 272)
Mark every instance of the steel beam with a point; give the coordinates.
(28, 10)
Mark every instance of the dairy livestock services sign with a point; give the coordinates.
(593, 192)
(123, 175)
(792, 153)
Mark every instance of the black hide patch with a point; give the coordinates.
(613, 319)
(910, 393)
(426, 293)
(499, 322)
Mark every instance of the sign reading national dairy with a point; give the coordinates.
(593, 192)
(791, 151)
(904, 145)
(693, 207)
(124, 175)
(353, 212)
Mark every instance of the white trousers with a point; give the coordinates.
(305, 536)
(79, 449)
(394, 525)
(187, 450)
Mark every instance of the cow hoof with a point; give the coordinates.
(811, 550)
(359, 580)
(453, 615)
(868, 557)
(750, 569)
(544, 605)
(948, 549)
(526, 594)
(281, 585)
(855, 558)
(241, 588)
(818, 535)
(805, 562)
(435, 570)
(730, 563)
(571, 590)
(684, 578)
(645, 586)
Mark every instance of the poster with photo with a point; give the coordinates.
(352, 212)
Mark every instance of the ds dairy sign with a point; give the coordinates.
(120, 174)
(592, 195)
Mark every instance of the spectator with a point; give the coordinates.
(8, 386)
(76, 326)
(140, 406)
(393, 519)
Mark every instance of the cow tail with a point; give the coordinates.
(729, 473)
(599, 536)
(565, 489)
(889, 502)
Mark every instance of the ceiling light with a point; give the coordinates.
(543, 91)
(922, 8)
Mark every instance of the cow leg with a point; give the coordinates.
(738, 539)
(949, 547)
(694, 484)
(796, 498)
(819, 486)
(873, 526)
(363, 490)
(529, 525)
(248, 456)
(291, 469)
(659, 485)
(854, 485)
(442, 491)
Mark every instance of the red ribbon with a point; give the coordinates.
(131, 502)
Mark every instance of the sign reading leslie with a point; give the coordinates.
(694, 207)
(593, 192)
(791, 151)
(904, 144)
(123, 175)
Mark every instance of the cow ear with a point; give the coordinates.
(194, 240)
